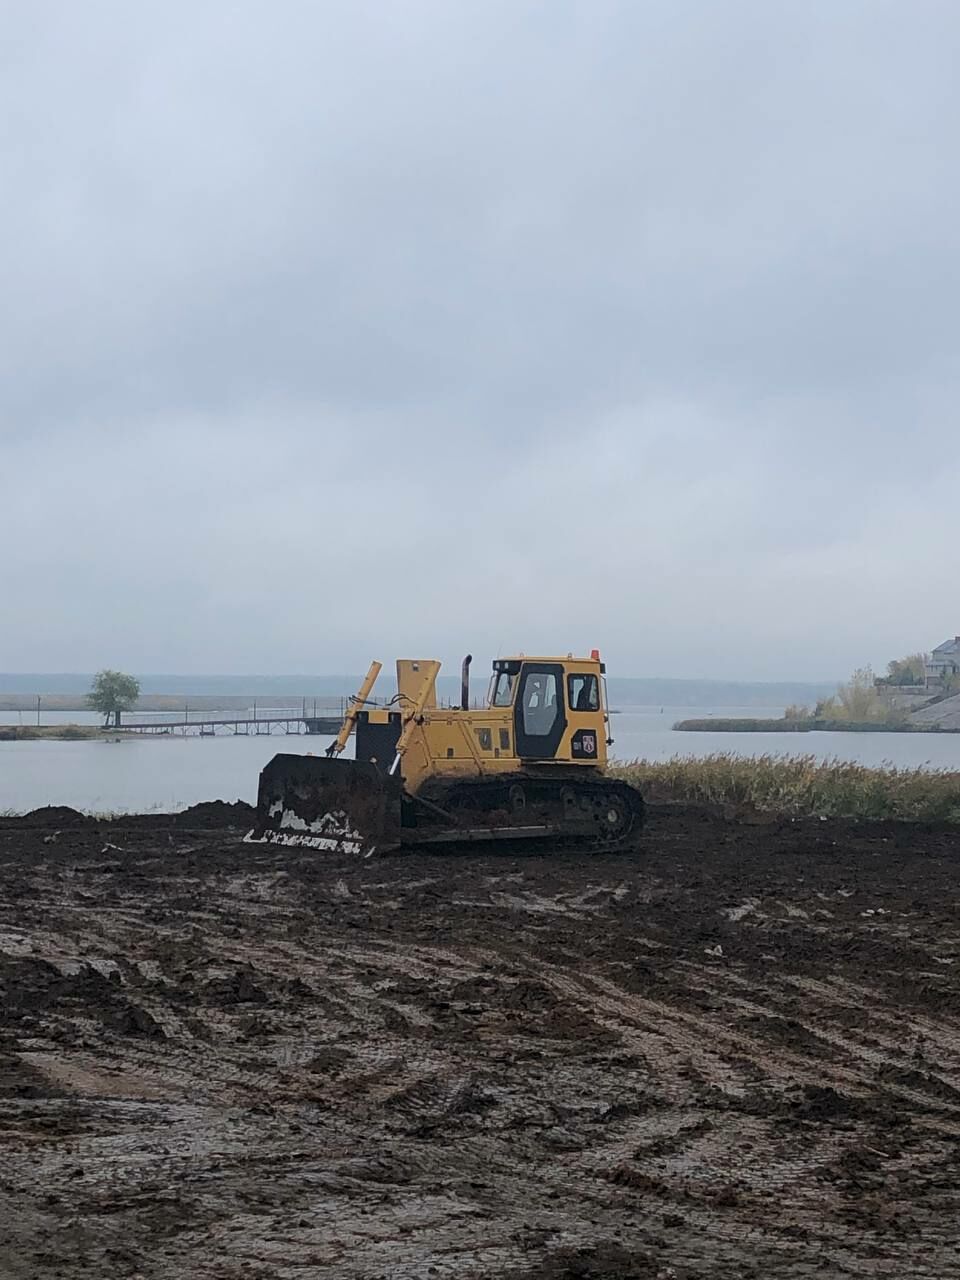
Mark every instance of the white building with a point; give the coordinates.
(944, 661)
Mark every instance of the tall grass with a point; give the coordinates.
(800, 786)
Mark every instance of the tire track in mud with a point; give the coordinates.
(719, 1058)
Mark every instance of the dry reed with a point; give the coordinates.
(800, 786)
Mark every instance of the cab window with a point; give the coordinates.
(540, 709)
(502, 691)
(583, 693)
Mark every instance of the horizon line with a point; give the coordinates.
(347, 675)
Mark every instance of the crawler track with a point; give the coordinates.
(588, 814)
(734, 1056)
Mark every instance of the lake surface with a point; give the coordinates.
(166, 774)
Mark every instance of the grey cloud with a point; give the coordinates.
(339, 327)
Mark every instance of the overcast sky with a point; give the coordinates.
(341, 330)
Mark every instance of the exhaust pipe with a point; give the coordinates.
(465, 682)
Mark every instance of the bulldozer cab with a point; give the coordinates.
(557, 705)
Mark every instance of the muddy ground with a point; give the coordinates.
(736, 1054)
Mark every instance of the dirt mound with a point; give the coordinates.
(134, 1021)
(238, 988)
(53, 816)
(216, 813)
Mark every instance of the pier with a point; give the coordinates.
(281, 722)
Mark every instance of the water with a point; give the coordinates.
(643, 732)
(165, 774)
(139, 774)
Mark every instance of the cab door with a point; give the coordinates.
(540, 718)
(587, 717)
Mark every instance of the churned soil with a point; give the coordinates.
(735, 1053)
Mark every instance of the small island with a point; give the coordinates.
(919, 694)
(58, 732)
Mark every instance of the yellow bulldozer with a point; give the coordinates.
(529, 765)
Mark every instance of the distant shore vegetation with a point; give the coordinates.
(863, 704)
(858, 702)
(58, 732)
(806, 724)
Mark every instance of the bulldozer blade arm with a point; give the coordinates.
(339, 806)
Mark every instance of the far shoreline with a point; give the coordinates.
(720, 724)
(63, 733)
